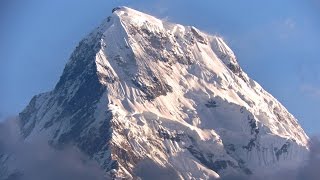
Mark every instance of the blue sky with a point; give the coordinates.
(276, 42)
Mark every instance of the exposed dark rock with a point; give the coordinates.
(253, 125)
(211, 103)
(208, 159)
(198, 36)
(115, 9)
(251, 144)
(254, 131)
(284, 149)
(173, 136)
(158, 88)
(108, 18)
(235, 68)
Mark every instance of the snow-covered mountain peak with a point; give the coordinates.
(140, 88)
(131, 16)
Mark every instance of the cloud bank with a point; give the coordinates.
(39, 161)
(310, 170)
(147, 169)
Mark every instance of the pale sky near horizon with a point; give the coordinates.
(276, 42)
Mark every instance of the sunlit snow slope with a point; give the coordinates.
(141, 88)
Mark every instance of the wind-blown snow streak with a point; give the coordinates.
(139, 88)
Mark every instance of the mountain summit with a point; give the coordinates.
(141, 93)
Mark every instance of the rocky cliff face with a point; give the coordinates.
(140, 89)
